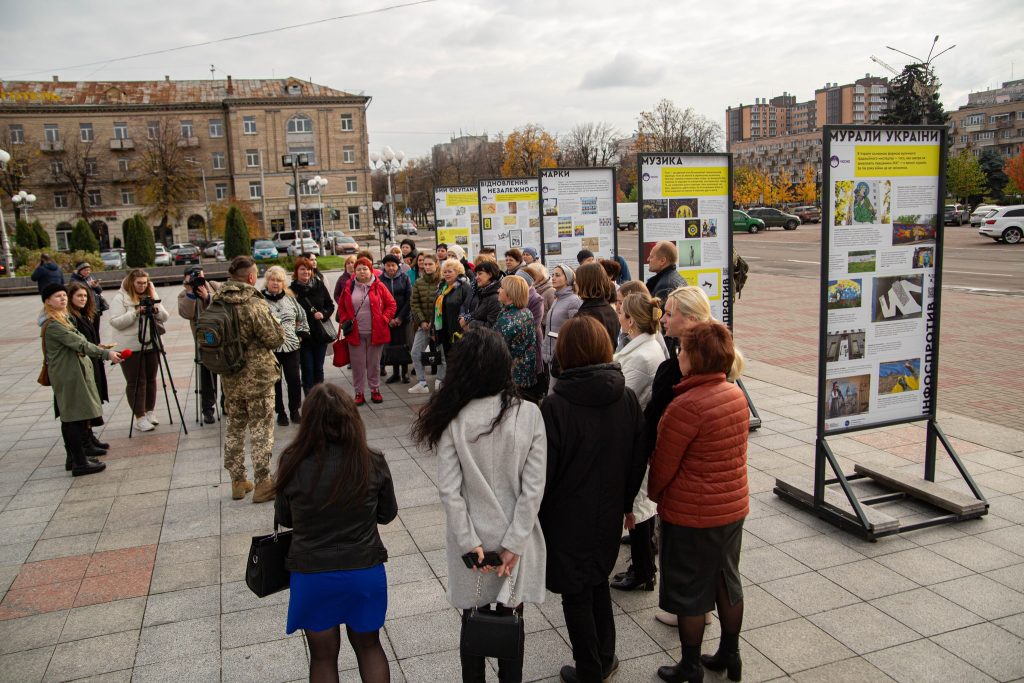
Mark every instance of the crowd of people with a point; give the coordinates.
(569, 406)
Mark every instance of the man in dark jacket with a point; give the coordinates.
(192, 301)
(47, 272)
(666, 278)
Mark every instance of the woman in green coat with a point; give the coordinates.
(68, 359)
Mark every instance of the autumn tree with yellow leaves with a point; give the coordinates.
(527, 150)
(807, 190)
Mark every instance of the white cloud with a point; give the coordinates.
(623, 71)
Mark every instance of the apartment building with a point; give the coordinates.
(234, 133)
(991, 119)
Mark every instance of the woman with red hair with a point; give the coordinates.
(369, 307)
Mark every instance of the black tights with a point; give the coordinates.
(691, 629)
(325, 645)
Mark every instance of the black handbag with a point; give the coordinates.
(493, 632)
(433, 355)
(265, 573)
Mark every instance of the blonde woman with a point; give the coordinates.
(126, 317)
(68, 358)
(515, 324)
(293, 320)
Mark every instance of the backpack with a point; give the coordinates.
(739, 273)
(218, 335)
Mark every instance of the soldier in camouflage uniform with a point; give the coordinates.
(249, 393)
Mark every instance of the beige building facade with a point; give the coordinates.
(991, 119)
(85, 145)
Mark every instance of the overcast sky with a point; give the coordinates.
(447, 66)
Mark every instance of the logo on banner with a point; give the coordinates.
(834, 161)
(646, 177)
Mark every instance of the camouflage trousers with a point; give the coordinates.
(256, 414)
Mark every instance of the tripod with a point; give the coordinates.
(149, 336)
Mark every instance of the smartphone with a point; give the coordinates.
(491, 559)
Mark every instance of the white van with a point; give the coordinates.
(625, 215)
(284, 239)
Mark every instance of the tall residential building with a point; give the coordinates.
(233, 131)
(991, 119)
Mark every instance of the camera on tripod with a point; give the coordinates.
(148, 305)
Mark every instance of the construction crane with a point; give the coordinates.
(885, 66)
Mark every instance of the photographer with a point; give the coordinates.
(136, 299)
(83, 275)
(196, 294)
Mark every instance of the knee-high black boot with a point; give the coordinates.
(81, 464)
(68, 434)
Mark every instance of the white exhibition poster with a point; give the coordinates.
(685, 199)
(509, 214)
(883, 218)
(578, 207)
(457, 218)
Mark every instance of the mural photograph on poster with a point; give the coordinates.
(686, 199)
(578, 212)
(878, 333)
(457, 218)
(510, 211)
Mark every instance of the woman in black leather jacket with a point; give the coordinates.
(333, 491)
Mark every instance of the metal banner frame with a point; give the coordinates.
(471, 250)
(541, 198)
(480, 208)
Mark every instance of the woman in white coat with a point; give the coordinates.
(492, 467)
(639, 318)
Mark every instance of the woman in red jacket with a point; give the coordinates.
(368, 305)
(698, 478)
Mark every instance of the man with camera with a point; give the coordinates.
(196, 294)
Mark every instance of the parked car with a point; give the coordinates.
(211, 248)
(980, 212)
(299, 247)
(743, 222)
(219, 252)
(113, 259)
(186, 254)
(808, 214)
(343, 244)
(955, 213)
(175, 247)
(407, 228)
(163, 257)
(625, 215)
(774, 218)
(1006, 223)
(285, 238)
(263, 250)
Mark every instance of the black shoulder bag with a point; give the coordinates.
(265, 573)
(491, 631)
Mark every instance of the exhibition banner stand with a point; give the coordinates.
(457, 218)
(577, 212)
(687, 199)
(509, 214)
(880, 304)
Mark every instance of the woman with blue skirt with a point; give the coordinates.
(333, 491)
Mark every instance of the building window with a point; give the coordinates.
(974, 120)
(219, 161)
(348, 154)
(186, 129)
(122, 165)
(63, 239)
(346, 121)
(353, 218)
(255, 189)
(57, 167)
(350, 184)
(120, 130)
(220, 191)
(306, 149)
(294, 89)
(216, 128)
(16, 134)
(92, 167)
(153, 130)
(249, 125)
(305, 189)
(60, 200)
(985, 135)
(963, 139)
(252, 158)
(127, 197)
(85, 132)
(300, 123)
(51, 133)
(95, 198)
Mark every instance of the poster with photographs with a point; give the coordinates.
(577, 212)
(509, 210)
(686, 200)
(879, 310)
(457, 216)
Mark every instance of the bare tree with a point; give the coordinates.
(80, 169)
(670, 129)
(168, 181)
(589, 144)
(23, 164)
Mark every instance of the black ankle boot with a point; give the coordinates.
(92, 451)
(395, 377)
(681, 673)
(730, 662)
(97, 443)
(81, 465)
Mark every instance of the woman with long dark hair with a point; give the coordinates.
(333, 490)
(491, 470)
(86, 318)
(596, 291)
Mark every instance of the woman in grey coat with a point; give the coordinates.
(492, 463)
(565, 306)
(293, 320)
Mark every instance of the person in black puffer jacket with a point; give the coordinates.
(47, 272)
(312, 295)
(483, 307)
(450, 296)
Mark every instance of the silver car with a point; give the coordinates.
(113, 260)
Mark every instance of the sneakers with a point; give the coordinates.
(375, 396)
(151, 416)
(360, 399)
(264, 491)
(240, 488)
(419, 388)
(143, 425)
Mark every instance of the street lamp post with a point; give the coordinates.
(925, 90)
(25, 200)
(294, 161)
(8, 261)
(390, 162)
(317, 184)
(206, 195)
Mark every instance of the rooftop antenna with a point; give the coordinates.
(211, 72)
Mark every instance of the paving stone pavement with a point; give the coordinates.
(137, 573)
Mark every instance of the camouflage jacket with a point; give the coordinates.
(261, 335)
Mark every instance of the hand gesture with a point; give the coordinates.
(114, 357)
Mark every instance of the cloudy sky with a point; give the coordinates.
(443, 67)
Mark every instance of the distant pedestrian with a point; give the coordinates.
(47, 273)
